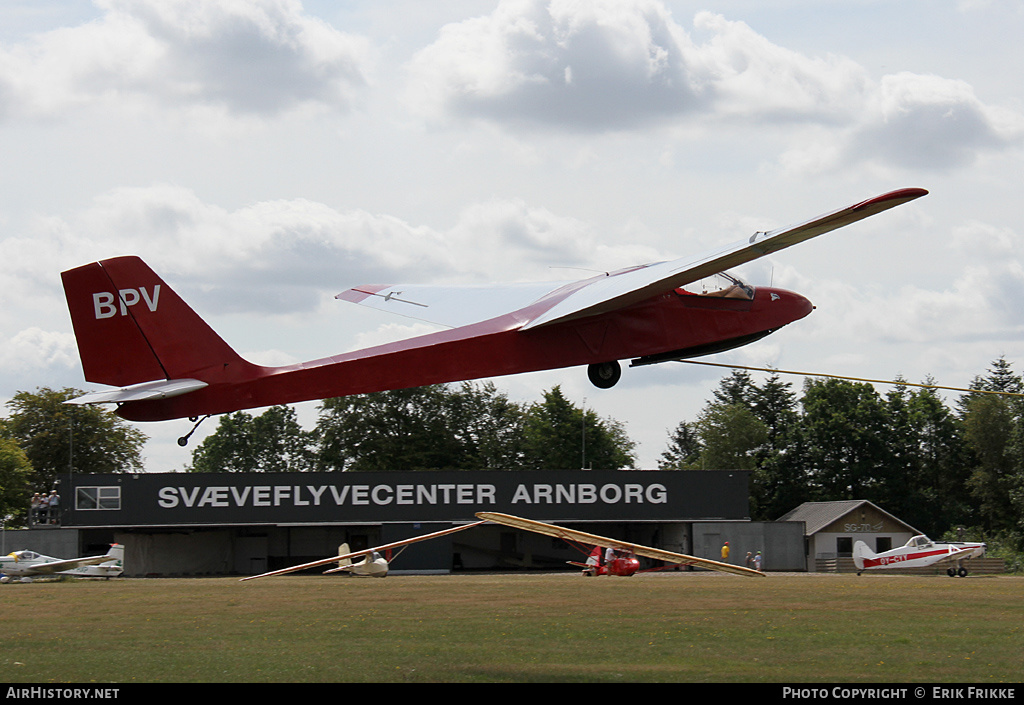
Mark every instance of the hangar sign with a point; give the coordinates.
(216, 498)
(429, 494)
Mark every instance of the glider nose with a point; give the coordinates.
(786, 305)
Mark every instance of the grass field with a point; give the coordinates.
(676, 627)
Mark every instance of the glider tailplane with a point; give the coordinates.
(133, 328)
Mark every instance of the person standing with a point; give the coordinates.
(725, 552)
(54, 504)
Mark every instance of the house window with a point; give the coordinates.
(98, 498)
(844, 546)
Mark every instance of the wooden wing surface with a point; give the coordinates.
(594, 540)
(364, 552)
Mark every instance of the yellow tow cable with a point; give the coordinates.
(854, 379)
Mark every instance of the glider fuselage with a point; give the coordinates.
(676, 324)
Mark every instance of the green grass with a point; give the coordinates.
(693, 627)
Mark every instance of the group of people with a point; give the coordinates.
(45, 508)
(754, 560)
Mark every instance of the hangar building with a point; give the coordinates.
(248, 523)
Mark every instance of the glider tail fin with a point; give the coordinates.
(116, 553)
(342, 550)
(131, 327)
(860, 553)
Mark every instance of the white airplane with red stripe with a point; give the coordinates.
(918, 552)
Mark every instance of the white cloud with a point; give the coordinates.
(756, 80)
(34, 357)
(281, 256)
(592, 65)
(247, 57)
(612, 65)
(931, 122)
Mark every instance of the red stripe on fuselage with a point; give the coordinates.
(892, 560)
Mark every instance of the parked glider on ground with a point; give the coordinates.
(630, 549)
(373, 564)
(918, 552)
(135, 333)
(27, 565)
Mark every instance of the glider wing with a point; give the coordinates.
(450, 306)
(69, 564)
(364, 552)
(456, 306)
(594, 540)
(634, 285)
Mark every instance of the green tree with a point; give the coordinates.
(15, 480)
(990, 426)
(994, 431)
(487, 426)
(775, 404)
(274, 441)
(58, 437)
(684, 448)
(844, 426)
(438, 427)
(738, 388)
(928, 462)
(779, 482)
(560, 436)
(730, 435)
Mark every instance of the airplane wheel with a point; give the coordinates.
(962, 572)
(604, 375)
(183, 441)
(951, 572)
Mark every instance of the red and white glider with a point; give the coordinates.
(918, 552)
(136, 334)
(625, 563)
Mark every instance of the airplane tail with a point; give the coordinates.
(860, 553)
(132, 328)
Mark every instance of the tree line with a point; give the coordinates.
(440, 427)
(933, 465)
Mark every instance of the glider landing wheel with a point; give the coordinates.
(183, 441)
(604, 375)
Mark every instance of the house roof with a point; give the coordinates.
(818, 515)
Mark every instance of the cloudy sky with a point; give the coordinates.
(264, 155)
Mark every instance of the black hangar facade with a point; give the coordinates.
(248, 523)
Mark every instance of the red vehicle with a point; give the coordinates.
(136, 334)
